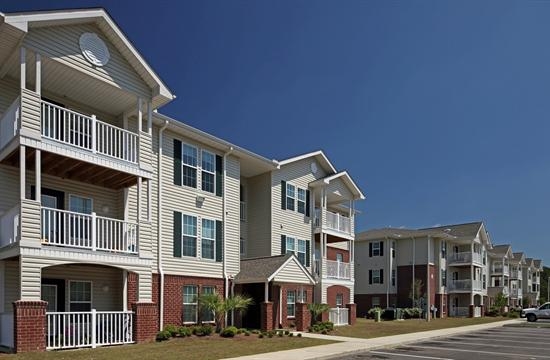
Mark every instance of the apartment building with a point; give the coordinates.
(500, 257)
(531, 282)
(398, 267)
(517, 264)
(114, 216)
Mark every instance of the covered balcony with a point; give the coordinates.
(333, 221)
(464, 285)
(499, 268)
(465, 258)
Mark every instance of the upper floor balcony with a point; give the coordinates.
(464, 258)
(516, 293)
(333, 269)
(516, 274)
(464, 285)
(333, 221)
(499, 268)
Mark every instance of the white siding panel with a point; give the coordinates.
(233, 223)
(292, 273)
(258, 216)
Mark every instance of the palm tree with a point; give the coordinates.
(317, 310)
(220, 306)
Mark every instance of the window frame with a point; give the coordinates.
(213, 240)
(290, 198)
(377, 276)
(183, 235)
(298, 252)
(195, 303)
(291, 305)
(299, 201)
(242, 246)
(375, 303)
(210, 172)
(203, 292)
(74, 196)
(193, 167)
(393, 277)
(375, 252)
(79, 301)
(339, 296)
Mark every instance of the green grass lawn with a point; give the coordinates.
(369, 329)
(210, 347)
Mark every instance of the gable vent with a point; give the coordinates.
(94, 49)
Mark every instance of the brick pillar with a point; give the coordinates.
(146, 319)
(324, 317)
(303, 317)
(29, 326)
(471, 310)
(266, 316)
(352, 312)
(482, 310)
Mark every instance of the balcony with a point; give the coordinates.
(516, 274)
(338, 270)
(499, 269)
(334, 221)
(464, 285)
(465, 258)
(516, 293)
(87, 133)
(91, 232)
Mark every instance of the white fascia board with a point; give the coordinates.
(293, 258)
(318, 153)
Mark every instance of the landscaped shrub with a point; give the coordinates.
(412, 313)
(163, 335)
(287, 332)
(255, 332)
(280, 334)
(319, 327)
(246, 333)
(260, 336)
(513, 314)
(372, 312)
(299, 334)
(172, 329)
(203, 330)
(185, 331)
(229, 331)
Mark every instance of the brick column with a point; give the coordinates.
(146, 319)
(324, 317)
(303, 317)
(482, 310)
(352, 313)
(29, 326)
(266, 316)
(471, 310)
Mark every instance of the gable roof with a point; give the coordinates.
(461, 230)
(538, 264)
(265, 269)
(346, 178)
(396, 233)
(23, 20)
(318, 155)
(501, 250)
(519, 258)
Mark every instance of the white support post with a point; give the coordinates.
(38, 174)
(94, 329)
(149, 118)
(140, 113)
(125, 290)
(94, 135)
(266, 291)
(94, 231)
(23, 67)
(126, 202)
(38, 82)
(22, 171)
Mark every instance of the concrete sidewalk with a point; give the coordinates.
(347, 345)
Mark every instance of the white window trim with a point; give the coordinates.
(377, 244)
(196, 303)
(377, 301)
(377, 272)
(242, 246)
(196, 235)
(198, 309)
(81, 302)
(298, 201)
(202, 238)
(291, 303)
(341, 297)
(208, 171)
(290, 197)
(295, 250)
(196, 166)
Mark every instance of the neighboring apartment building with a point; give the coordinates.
(517, 264)
(113, 211)
(531, 282)
(389, 261)
(500, 257)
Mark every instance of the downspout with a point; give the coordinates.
(159, 230)
(224, 216)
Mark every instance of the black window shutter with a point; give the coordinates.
(219, 241)
(177, 162)
(283, 244)
(283, 195)
(177, 234)
(308, 210)
(370, 249)
(219, 175)
(381, 248)
(381, 276)
(370, 276)
(308, 252)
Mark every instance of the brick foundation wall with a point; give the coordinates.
(266, 314)
(286, 322)
(404, 281)
(352, 313)
(303, 317)
(145, 321)
(173, 294)
(364, 302)
(29, 326)
(337, 289)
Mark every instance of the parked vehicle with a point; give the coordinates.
(542, 312)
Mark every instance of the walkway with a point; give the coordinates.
(349, 345)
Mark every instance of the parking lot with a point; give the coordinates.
(498, 343)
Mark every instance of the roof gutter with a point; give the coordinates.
(159, 228)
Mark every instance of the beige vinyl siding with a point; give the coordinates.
(11, 291)
(62, 44)
(291, 273)
(288, 222)
(337, 186)
(9, 91)
(107, 284)
(364, 263)
(30, 110)
(258, 216)
(233, 222)
(244, 224)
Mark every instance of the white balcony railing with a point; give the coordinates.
(9, 226)
(243, 211)
(339, 316)
(9, 123)
(464, 285)
(516, 293)
(338, 270)
(72, 229)
(499, 269)
(465, 258)
(334, 221)
(88, 329)
(88, 133)
(516, 274)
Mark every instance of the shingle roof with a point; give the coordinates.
(461, 230)
(538, 263)
(260, 269)
(458, 230)
(500, 249)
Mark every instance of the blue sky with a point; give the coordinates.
(438, 109)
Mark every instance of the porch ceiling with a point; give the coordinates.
(72, 169)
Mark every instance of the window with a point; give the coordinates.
(189, 304)
(443, 277)
(80, 204)
(301, 251)
(376, 249)
(393, 249)
(302, 296)
(339, 300)
(393, 277)
(189, 163)
(339, 257)
(444, 249)
(290, 303)
(189, 240)
(243, 246)
(80, 226)
(290, 196)
(80, 295)
(208, 315)
(376, 278)
(208, 242)
(301, 201)
(208, 175)
(290, 243)
(375, 301)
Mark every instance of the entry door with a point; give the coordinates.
(49, 294)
